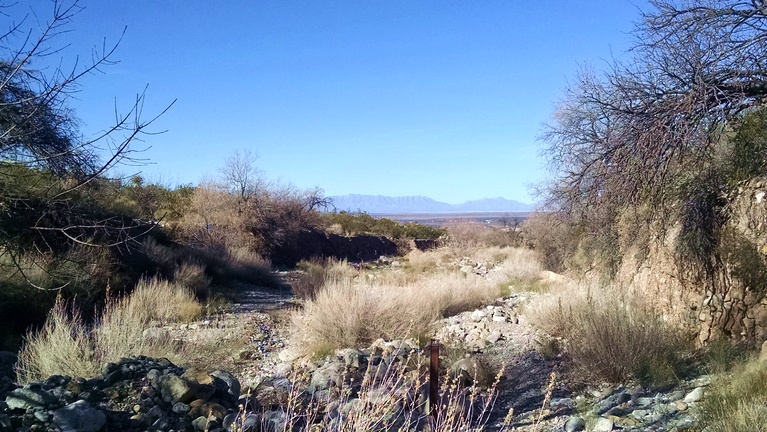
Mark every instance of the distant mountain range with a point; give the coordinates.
(378, 204)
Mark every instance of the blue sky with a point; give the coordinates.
(436, 98)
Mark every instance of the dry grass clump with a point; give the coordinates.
(62, 346)
(245, 265)
(521, 270)
(316, 273)
(67, 346)
(614, 338)
(356, 312)
(417, 261)
(352, 309)
(739, 401)
(192, 275)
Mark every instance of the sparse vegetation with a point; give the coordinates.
(362, 223)
(614, 338)
(737, 402)
(315, 274)
(471, 235)
(67, 345)
(356, 311)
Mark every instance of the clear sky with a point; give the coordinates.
(384, 97)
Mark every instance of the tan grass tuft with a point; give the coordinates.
(613, 336)
(62, 346)
(354, 312)
(67, 346)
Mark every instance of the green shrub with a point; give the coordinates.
(351, 224)
(721, 355)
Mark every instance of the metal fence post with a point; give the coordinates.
(434, 379)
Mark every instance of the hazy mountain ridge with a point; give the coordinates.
(420, 204)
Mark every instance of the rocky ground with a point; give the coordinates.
(535, 387)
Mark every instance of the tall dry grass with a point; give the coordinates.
(392, 397)
(314, 274)
(353, 311)
(738, 401)
(67, 346)
(612, 335)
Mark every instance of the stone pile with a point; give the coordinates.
(630, 409)
(386, 376)
(134, 394)
(477, 330)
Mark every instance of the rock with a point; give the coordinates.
(681, 406)
(477, 315)
(174, 389)
(353, 358)
(155, 412)
(644, 401)
(201, 424)
(242, 422)
(611, 401)
(329, 375)
(202, 384)
(200, 407)
(694, 396)
(674, 396)
(25, 398)
(5, 423)
(227, 386)
(575, 424)
(273, 421)
(282, 370)
(493, 337)
(616, 411)
(180, 408)
(603, 424)
(467, 370)
(289, 354)
(79, 416)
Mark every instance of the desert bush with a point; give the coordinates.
(66, 345)
(417, 261)
(738, 401)
(614, 338)
(30, 283)
(468, 236)
(209, 267)
(192, 275)
(351, 224)
(244, 265)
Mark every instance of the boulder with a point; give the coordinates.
(79, 416)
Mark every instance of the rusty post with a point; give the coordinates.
(434, 379)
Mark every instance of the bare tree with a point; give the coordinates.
(628, 135)
(39, 140)
(241, 175)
